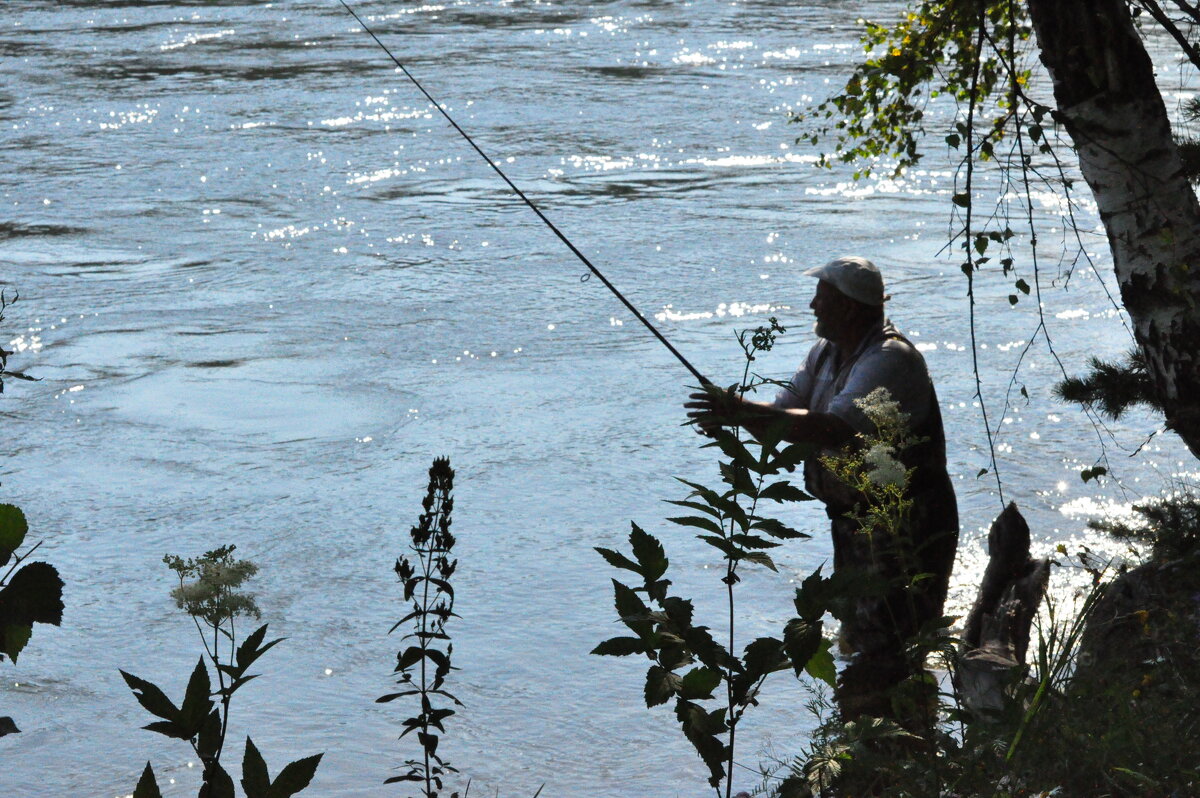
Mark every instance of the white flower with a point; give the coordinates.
(885, 469)
(882, 409)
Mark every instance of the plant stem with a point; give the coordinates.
(426, 556)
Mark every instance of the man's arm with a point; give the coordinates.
(717, 407)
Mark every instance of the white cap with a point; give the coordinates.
(855, 277)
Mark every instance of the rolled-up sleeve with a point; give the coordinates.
(797, 394)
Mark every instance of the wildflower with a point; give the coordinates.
(882, 410)
(207, 585)
(885, 469)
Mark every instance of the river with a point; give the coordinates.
(263, 285)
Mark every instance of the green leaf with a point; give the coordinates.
(722, 545)
(801, 639)
(961, 200)
(760, 558)
(209, 739)
(813, 596)
(1095, 472)
(151, 697)
(734, 449)
(699, 683)
(820, 665)
(255, 779)
(1022, 286)
(792, 456)
(620, 647)
(698, 506)
(648, 552)
(629, 605)
(661, 684)
(252, 647)
(762, 656)
(147, 786)
(679, 610)
(710, 496)
(708, 650)
(700, 523)
(295, 777)
(13, 528)
(777, 529)
(408, 657)
(168, 728)
(220, 784)
(754, 542)
(32, 595)
(784, 492)
(1013, 299)
(16, 637)
(737, 476)
(196, 701)
(618, 560)
(673, 657)
(697, 725)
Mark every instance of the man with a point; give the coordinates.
(859, 351)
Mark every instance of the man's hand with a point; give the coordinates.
(714, 407)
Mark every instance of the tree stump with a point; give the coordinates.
(996, 636)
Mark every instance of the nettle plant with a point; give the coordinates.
(209, 591)
(712, 687)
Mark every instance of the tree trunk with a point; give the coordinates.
(996, 634)
(1110, 105)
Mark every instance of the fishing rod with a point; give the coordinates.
(561, 237)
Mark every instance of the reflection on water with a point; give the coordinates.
(264, 285)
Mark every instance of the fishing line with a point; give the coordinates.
(561, 237)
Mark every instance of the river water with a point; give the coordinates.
(263, 286)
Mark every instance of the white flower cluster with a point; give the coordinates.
(885, 468)
(882, 409)
(891, 424)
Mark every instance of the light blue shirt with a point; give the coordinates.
(823, 386)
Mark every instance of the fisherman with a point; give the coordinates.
(858, 351)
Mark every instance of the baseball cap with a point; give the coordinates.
(855, 277)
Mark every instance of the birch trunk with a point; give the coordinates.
(1110, 105)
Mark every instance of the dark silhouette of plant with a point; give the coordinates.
(5, 303)
(424, 664)
(664, 628)
(208, 591)
(29, 592)
(1112, 388)
(1169, 524)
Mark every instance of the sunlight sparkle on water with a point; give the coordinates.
(734, 309)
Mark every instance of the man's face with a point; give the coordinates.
(830, 308)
